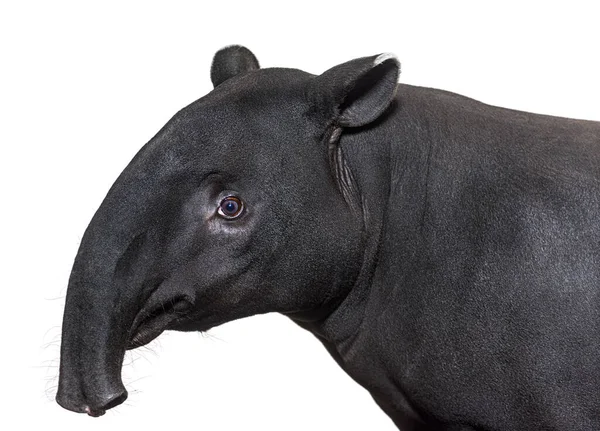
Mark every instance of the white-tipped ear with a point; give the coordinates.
(357, 92)
(384, 57)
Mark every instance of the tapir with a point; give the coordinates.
(445, 252)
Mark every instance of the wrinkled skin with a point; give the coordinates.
(444, 251)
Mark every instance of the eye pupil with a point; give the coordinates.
(230, 207)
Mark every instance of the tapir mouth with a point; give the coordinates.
(152, 321)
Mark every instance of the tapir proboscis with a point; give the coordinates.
(444, 251)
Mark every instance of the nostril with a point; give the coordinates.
(109, 403)
(90, 391)
(115, 401)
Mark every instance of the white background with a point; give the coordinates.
(84, 85)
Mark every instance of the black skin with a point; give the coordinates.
(444, 251)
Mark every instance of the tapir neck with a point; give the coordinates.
(384, 158)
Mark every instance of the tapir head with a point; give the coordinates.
(238, 206)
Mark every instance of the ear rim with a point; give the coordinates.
(356, 93)
(388, 66)
(230, 61)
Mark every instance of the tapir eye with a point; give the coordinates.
(230, 207)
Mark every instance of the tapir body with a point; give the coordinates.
(444, 251)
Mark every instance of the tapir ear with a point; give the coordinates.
(230, 61)
(359, 91)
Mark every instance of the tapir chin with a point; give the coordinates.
(444, 251)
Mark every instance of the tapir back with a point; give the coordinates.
(488, 277)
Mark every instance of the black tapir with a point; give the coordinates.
(445, 252)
